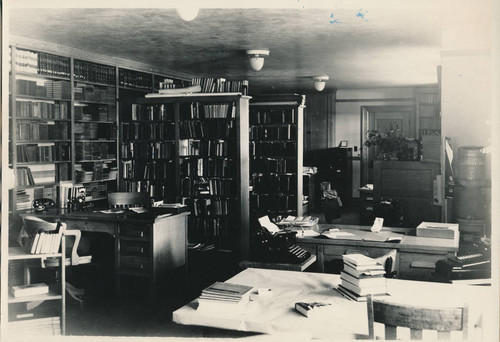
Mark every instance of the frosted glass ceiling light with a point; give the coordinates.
(319, 82)
(188, 12)
(256, 58)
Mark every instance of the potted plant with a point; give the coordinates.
(392, 145)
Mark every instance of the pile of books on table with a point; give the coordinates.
(362, 276)
(232, 298)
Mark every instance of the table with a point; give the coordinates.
(146, 245)
(275, 314)
(416, 255)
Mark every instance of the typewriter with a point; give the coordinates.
(279, 246)
(474, 262)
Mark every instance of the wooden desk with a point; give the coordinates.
(278, 265)
(416, 255)
(275, 314)
(145, 245)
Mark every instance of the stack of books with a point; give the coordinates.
(232, 298)
(362, 276)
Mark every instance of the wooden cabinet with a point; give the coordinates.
(411, 183)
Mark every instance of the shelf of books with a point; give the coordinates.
(40, 125)
(189, 148)
(95, 129)
(276, 156)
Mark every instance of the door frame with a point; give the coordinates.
(366, 113)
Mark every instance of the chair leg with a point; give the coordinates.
(390, 332)
(75, 293)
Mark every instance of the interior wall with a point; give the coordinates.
(348, 118)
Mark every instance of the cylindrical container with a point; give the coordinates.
(472, 203)
(471, 170)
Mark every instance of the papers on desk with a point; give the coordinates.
(335, 233)
(300, 221)
(265, 222)
(112, 211)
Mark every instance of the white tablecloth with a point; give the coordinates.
(275, 314)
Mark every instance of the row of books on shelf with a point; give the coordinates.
(203, 167)
(283, 132)
(273, 202)
(25, 197)
(191, 187)
(212, 147)
(97, 171)
(160, 112)
(34, 130)
(42, 110)
(68, 192)
(362, 276)
(273, 183)
(148, 131)
(428, 98)
(152, 170)
(43, 152)
(211, 206)
(272, 116)
(59, 90)
(273, 149)
(207, 129)
(94, 93)
(166, 83)
(45, 242)
(148, 150)
(224, 297)
(91, 112)
(197, 110)
(94, 130)
(220, 85)
(41, 63)
(94, 150)
(207, 228)
(156, 189)
(37, 174)
(135, 79)
(93, 72)
(272, 165)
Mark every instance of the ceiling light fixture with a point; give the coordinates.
(188, 12)
(319, 82)
(256, 58)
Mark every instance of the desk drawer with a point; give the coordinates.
(135, 248)
(418, 266)
(139, 232)
(134, 265)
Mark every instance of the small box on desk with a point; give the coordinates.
(438, 230)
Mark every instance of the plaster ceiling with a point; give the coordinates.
(358, 47)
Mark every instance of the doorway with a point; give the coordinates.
(382, 118)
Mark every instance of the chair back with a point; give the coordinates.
(417, 318)
(125, 200)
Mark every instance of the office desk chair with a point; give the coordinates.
(34, 224)
(417, 318)
(125, 200)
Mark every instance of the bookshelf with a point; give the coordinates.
(276, 144)
(94, 122)
(194, 150)
(429, 122)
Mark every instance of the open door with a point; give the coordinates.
(381, 118)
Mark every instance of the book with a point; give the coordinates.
(313, 309)
(359, 260)
(29, 290)
(376, 270)
(364, 280)
(227, 289)
(354, 296)
(365, 290)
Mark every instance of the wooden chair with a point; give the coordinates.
(417, 318)
(34, 224)
(125, 200)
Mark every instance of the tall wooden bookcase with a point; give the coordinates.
(276, 147)
(193, 149)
